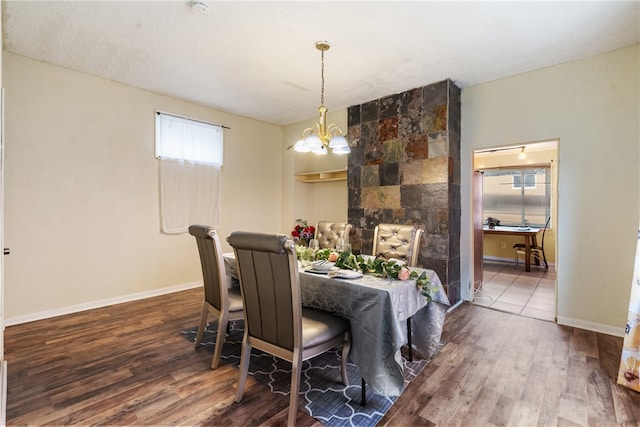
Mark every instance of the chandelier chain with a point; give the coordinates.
(322, 77)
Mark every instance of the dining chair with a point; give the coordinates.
(328, 232)
(536, 251)
(275, 320)
(402, 242)
(398, 241)
(224, 303)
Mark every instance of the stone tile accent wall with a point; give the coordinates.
(404, 168)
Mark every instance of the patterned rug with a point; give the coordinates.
(325, 397)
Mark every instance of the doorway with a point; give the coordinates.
(500, 280)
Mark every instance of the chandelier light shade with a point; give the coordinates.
(320, 137)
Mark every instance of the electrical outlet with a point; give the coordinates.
(503, 245)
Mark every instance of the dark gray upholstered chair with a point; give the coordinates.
(219, 300)
(397, 241)
(328, 232)
(401, 242)
(275, 321)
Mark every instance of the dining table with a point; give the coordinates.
(527, 233)
(377, 309)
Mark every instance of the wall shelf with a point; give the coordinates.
(322, 176)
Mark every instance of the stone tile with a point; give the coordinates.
(417, 147)
(411, 196)
(435, 170)
(435, 94)
(411, 172)
(411, 101)
(370, 176)
(370, 112)
(387, 197)
(388, 129)
(438, 144)
(389, 106)
(409, 126)
(389, 174)
(394, 151)
(354, 115)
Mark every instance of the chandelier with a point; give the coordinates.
(317, 138)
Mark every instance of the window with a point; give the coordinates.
(180, 138)
(517, 196)
(529, 180)
(190, 153)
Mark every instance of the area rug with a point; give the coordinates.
(325, 397)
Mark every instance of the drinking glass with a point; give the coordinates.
(339, 244)
(314, 245)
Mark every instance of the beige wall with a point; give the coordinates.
(81, 212)
(318, 201)
(81, 206)
(592, 107)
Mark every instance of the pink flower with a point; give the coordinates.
(404, 274)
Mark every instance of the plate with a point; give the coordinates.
(313, 270)
(346, 274)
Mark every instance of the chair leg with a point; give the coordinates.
(363, 397)
(245, 356)
(409, 339)
(203, 324)
(217, 352)
(345, 355)
(296, 368)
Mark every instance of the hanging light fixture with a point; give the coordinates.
(522, 155)
(321, 136)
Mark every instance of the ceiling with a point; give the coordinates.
(258, 59)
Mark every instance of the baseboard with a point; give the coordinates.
(97, 304)
(591, 326)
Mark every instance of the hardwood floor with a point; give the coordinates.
(127, 364)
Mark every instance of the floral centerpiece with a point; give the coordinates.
(376, 267)
(303, 232)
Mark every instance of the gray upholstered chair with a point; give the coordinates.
(219, 300)
(275, 321)
(397, 241)
(402, 242)
(328, 232)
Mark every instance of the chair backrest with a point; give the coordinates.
(544, 230)
(327, 232)
(270, 285)
(213, 271)
(397, 241)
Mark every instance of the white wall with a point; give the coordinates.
(592, 107)
(82, 204)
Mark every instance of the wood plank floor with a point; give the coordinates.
(127, 364)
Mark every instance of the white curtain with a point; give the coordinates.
(190, 194)
(190, 155)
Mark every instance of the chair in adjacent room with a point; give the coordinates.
(536, 251)
(224, 303)
(275, 321)
(402, 242)
(328, 233)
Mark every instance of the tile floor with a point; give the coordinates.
(508, 287)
